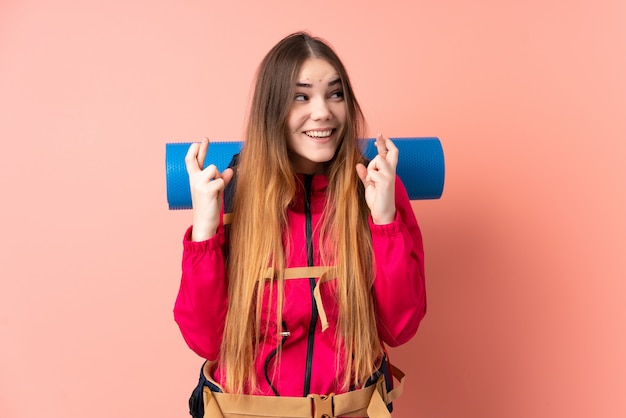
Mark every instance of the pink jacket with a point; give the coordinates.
(308, 354)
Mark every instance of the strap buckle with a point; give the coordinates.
(322, 405)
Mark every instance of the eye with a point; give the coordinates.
(301, 97)
(337, 95)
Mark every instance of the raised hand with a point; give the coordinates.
(379, 179)
(207, 189)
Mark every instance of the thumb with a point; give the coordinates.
(227, 175)
(362, 173)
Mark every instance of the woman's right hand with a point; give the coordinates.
(207, 189)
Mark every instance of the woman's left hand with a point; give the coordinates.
(379, 179)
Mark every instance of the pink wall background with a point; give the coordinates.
(526, 278)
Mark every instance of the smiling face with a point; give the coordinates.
(317, 117)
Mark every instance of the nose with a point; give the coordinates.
(320, 109)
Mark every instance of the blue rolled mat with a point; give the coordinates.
(420, 166)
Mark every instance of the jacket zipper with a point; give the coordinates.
(310, 262)
(271, 355)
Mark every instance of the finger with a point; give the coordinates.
(191, 161)
(391, 151)
(202, 151)
(381, 145)
(374, 176)
(217, 182)
(361, 171)
(208, 181)
(209, 173)
(227, 175)
(379, 170)
(378, 163)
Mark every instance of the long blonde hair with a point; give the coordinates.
(266, 185)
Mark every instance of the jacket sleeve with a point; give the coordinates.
(202, 301)
(399, 284)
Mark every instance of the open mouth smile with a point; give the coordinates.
(319, 134)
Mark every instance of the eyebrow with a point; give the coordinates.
(308, 85)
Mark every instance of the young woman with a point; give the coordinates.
(291, 288)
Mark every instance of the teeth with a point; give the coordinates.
(318, 134)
